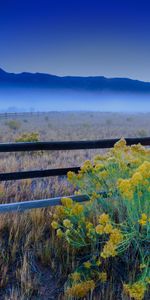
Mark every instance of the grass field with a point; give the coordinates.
(34, 262)
(57, 127)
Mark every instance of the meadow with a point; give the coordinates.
(35, 260)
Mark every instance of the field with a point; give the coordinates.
(32, 263)
(60, 126)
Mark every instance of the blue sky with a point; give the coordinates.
(76, 37)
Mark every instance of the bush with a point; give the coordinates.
(111, 232)
(13, 124)
(28, 137)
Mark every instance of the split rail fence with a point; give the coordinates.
(53, 146)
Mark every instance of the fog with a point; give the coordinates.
(25, 100)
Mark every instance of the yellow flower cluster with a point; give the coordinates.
(59, 233)
(75, 276)
(136, 179)
(136, 290)
(67, 223)
(110, 248)
(103, 276)
(125, 187)
(144, 220)
(104, 219)
(87, 166)
(54, 225)
(77, 209)
(104, 225)
(144, 169)
(81, 289)
(87, 264)
(67, 202)
(70, 175)
(115, 236)
(120, 144)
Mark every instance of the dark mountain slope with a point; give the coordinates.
(98, 83)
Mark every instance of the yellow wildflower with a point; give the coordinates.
(103, 276)
(54, 225)
(109, 250)
(116, 236)
(94, 196)
(108, 228)
(75, 276)
(87, 166)
(99, 229)
(143, 220)
(125, 188)
(70, 175)
(136, 290)
(67, 223)
(103, 174)
(59, 233)
(120, 144)
(136, 178)
(89, 225)
(87, 264)
(145, 169)
(98, 262)
(81, 289)
(98, 157)
(77, 209)
(103, 219)
(67, 202)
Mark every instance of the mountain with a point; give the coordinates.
(77, 83)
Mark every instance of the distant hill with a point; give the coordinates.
(95, 83)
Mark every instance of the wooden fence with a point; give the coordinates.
(53, 146)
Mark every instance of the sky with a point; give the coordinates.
(76, 37)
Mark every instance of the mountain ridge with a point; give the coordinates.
(81, 83)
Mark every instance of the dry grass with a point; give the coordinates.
(33, 262)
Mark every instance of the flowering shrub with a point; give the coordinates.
(113, 228)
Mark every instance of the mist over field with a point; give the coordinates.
(26, 100)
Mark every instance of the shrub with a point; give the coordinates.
(13, 124)
(112, 231)
(28, 137)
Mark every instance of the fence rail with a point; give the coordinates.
(37, 173)
(24, 205)
(69, 145)
(38, 146)
(53, 146)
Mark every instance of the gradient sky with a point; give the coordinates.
(76, 37)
